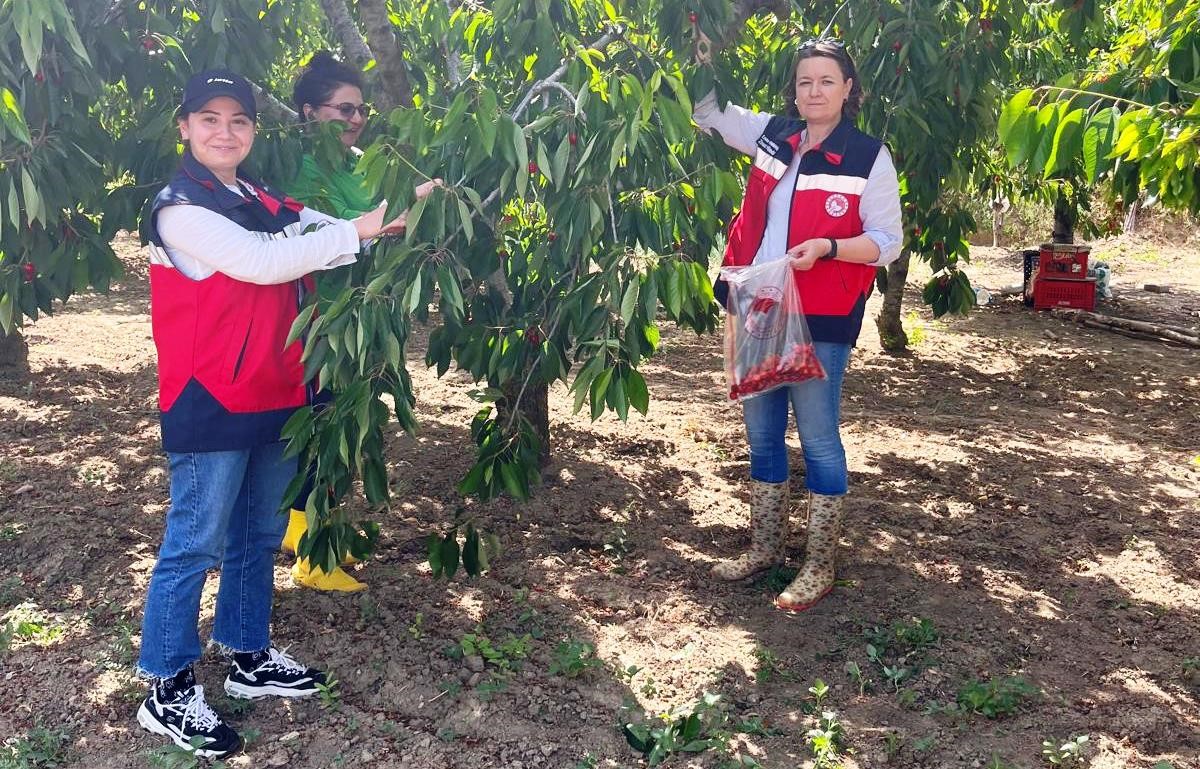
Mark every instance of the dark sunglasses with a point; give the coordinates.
(347, 110)
(818, 41)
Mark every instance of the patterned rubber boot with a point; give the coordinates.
(816, 576)
(768, 532)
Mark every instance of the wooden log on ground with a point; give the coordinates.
(1139, 329)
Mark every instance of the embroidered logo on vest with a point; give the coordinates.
(836, 205)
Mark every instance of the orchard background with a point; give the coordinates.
(1020, 566)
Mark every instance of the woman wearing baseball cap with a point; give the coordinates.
(230, 260)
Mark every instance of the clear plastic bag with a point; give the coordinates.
(767, 342)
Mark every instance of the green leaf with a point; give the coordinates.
(1012, 111)
(635, 388)
(512, 481)
(450, 554)
(464, 215)
(414, 217)
(1098, 141)
(14, 119)
(629, 301)
(544, 162)
(433, 545)
(472, 555)
(300, 324)
(33, 201)
(451, 291)
(559, 164)
(1066, 143)
(14, 204)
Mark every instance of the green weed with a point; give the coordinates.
(39, 748)
(997, 697)
(1069, 753)
(574, 658)
(825, 741)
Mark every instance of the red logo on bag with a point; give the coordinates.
(836, 205)
(762, 320)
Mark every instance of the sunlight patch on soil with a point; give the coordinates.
(1146, 575)
(1141, 684)
(1003, 586)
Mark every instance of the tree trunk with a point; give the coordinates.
(392, 86)
(1064, 220)
(14, 356)
(1129, 225)
(535, 407)
(891, 331)
(354, 48)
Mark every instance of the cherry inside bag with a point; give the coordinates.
(767, 342)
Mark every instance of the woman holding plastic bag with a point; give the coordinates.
(823, 196)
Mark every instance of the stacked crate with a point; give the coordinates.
(1062, 277)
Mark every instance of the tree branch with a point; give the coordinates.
(551, 80)
(273, 107)
(393, 89)
(353, 45)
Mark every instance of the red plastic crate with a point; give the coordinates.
(1059, 292)
(1063, 260)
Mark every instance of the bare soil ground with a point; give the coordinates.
(1027, 486)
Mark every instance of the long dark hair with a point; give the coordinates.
(829, 49)
(323, 75)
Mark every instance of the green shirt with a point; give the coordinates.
(339, 194)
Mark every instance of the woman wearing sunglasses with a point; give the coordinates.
(824, 195)
(230, 263)
(328, 90)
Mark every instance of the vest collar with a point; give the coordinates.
(834, 146)
(227, 198)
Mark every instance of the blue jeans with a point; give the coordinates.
(817, 404)
(224, 511)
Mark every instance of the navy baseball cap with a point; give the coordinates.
(212, 83)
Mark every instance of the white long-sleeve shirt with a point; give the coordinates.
(200, 242)
(879, 205)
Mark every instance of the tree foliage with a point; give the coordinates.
(581, 209)
(1129, 116)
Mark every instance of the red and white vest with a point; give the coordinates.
(226, 379)
(825, 204)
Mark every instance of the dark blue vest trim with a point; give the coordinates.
(197, 422)
(843, 329)
(195, 185)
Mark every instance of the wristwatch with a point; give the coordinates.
(832, 249)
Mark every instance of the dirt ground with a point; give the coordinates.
(1027, 487)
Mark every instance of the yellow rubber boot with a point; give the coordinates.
(338, 581)
(297, 525)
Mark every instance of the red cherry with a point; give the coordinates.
(28, 271)
(985, 25)
(572, 139)
(151, 43)
(916, 232)
(39, 78)
(553, 236)
(533, 167)
(534, 336)
(692, 17)
(896, 46)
